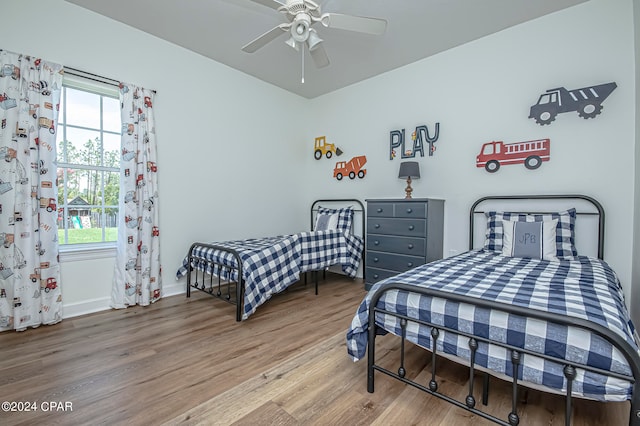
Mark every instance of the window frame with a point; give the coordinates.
(96, 250)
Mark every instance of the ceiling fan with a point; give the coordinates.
(302, 15)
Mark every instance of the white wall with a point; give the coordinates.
(224, 157)
(482, 91)
(263, 177)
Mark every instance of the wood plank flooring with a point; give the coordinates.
(186, 361)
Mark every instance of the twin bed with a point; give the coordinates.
(557, 323)
(248, 272)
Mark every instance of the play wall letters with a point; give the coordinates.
(420, 137)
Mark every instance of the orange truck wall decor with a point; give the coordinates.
(351, 168)
(530, 153)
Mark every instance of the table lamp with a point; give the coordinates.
(409, 170)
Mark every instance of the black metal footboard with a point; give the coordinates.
(517, 354)
(219, 286)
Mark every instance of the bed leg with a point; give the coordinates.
(433, 384)
(371, 356)
(634, 414)
(485, 389)
(514, 419)
(189, 272)
(315, 275)
(570, 374)
(403, 325)
(473, 346)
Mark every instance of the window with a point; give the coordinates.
(88, 143)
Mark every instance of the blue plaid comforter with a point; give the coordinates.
(271, 264)
(583, 288)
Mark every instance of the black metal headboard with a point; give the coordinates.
(359, 208)
(596, 210)
(343, 202)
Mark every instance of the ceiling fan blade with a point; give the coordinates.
(273, 4)
(319, 56)
(265, 38)
(359, 24)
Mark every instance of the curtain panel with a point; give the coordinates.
(137, 279)
(30, 292)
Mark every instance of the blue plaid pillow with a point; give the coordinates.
(565, 230)
(345, 217)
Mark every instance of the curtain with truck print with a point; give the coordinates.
(137, 278)
(30, 293)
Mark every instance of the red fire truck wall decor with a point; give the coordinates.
(322, 147)
(587, 101)
(351, 168)
(419, 137)
(530, 153)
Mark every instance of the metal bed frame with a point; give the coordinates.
(570, 369)
(233, 292)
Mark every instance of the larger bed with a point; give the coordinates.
(558, 323)
(248, 272)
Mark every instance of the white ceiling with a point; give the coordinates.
(416, 29)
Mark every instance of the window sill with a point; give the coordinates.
(80, 252)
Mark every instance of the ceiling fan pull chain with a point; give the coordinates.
(302, 56)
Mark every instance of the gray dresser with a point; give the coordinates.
(401, 234)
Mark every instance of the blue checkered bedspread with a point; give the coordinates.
(583, 288)
(271, 264)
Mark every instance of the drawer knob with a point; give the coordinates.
(375, 276)
(377, 225)
(375, 259)
(409, 210)
(410, 246)
(379, 210)
(410, 264)
(376, 243)
(411, 227)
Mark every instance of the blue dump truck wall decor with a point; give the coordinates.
(587, 101)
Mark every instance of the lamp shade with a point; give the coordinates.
(409, 169)
(314, 40)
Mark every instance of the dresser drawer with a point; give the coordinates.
(401, 209)
(374, 275)
(390, 226)
(392, 261)
(402, 245)
(380, 209)
(408, 210)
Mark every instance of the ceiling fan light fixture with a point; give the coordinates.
(291, 42)
(313, 40)
(300, 27)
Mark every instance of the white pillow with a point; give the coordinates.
(326, 222)
(522, 240)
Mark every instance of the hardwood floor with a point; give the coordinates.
(186, 361)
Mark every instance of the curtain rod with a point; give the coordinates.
(94, 77)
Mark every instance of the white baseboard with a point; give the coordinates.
(103, 304)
